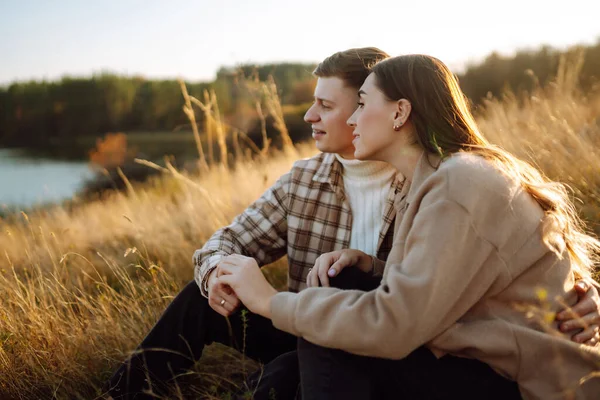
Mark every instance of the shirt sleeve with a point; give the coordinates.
(259, 232)
(447, 267)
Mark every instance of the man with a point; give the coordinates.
(325, 203)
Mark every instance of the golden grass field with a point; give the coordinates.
(81, 286)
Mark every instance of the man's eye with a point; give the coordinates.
(360, 105)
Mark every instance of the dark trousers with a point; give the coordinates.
(176, 342)
(188, 324)
(334, 374)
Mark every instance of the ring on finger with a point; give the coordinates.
(222, 302)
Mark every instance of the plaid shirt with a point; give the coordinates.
(303, 215)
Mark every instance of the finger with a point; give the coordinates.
(322, 274)
(580, 323)
(593, 342)
(228, 290)
(230, 307)
(235, 304)
(314, 279)
(219, 308)
(225, 292)
(585, 302)
(585, 307)
(565, 314)
(219, 299)
(222, 294)
(229, 280)
(591, 333)
(224, 308)
(337, 266)
(581, 287)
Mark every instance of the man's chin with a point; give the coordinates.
(322, 147)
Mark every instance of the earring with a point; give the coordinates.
(397, 127)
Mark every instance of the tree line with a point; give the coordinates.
(44, 114)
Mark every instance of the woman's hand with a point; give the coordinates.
(243, 275)
(330, 264)
(583, 319)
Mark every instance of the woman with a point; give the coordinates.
(484, 249)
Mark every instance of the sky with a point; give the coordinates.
(42, 39)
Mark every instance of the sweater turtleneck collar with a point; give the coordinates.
(357, 169)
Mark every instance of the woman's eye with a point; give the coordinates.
(360, 105)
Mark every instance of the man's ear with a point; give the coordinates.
(403, 110)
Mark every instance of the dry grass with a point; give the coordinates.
(557, 129)
(80, 288)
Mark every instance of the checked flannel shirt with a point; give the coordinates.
(303, 215)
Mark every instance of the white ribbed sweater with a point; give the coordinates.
(366, 184)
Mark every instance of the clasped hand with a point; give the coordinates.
(330, 264)
(243, 275)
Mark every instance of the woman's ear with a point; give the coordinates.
(403, 109)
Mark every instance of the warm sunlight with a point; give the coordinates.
(195, 202)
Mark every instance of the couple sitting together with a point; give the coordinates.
(424, 262)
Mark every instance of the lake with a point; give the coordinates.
(26, 180)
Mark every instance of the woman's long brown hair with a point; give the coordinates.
(444, 125)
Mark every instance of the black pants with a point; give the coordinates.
(176, 342)
(334, 374)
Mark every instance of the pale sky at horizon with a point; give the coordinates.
(192, 39)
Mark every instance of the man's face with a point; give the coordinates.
(334, 104)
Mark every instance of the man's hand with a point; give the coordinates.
(331, 264)
(217, 292)
(583, 319)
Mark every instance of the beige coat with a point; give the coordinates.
(468, 275)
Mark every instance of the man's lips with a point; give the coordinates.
(318, 132)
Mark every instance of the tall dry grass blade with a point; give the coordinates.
(189, 112)
(273, 103)
(219, 128)
(209, 126)
(263, 128)
(127, 183)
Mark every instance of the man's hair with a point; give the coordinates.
(352, 65)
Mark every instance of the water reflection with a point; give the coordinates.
(26, 180)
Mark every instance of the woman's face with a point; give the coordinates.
(373, 123)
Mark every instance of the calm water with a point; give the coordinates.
(26, 180)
